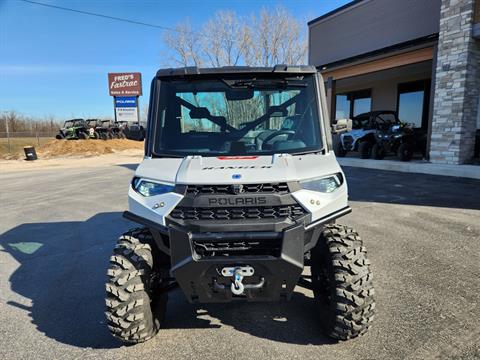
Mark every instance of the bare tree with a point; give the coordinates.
(19, 123)
(276, 38)
(225, 39)
(272, 37)
(185, 44)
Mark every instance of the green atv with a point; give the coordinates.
(73, 130)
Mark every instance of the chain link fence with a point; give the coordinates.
(13, 142)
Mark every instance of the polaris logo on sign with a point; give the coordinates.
(125, 101)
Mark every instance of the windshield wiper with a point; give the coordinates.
(265, 83)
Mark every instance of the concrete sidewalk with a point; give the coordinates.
(422, 167)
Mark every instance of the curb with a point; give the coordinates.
(464, 171)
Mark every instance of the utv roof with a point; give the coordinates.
(228, 70)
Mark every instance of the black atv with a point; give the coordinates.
(400, 139)
(133, 131)
(93, 125)
(110, 130)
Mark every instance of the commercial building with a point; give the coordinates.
(418, 57)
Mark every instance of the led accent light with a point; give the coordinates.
(326, 184)
(150, 188)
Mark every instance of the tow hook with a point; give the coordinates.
(237, 286)
(238, 273)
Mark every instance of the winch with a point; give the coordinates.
(238, 273)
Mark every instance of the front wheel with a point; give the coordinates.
(365, 149)
(135, 301)
(342, 282)
(378, 152)
(405, 152)
(340, 150)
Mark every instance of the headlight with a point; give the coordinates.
(326, 184)
(149, 188)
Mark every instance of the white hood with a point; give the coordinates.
(240, 169)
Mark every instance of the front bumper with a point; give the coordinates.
(197, 258)
(200, 276)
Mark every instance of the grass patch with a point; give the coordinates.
(17, 144)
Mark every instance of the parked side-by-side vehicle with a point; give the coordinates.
(238, 192)
(379, 133)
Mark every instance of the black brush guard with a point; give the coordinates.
(277, 269)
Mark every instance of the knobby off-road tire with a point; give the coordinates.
(342, 283)
(365, 149)
(405, 152)
(339, 150)
(135, 306)
(378, 152)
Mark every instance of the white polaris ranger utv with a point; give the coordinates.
(239, 190)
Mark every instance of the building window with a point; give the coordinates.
(348, 105)
(413, 103)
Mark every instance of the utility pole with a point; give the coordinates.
(8, 133)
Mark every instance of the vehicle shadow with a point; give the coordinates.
(63, 270)
(287, 321)
(132, 167)
(371, 185)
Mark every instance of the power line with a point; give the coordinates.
(165, 28)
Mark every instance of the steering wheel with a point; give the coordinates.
(275, 134)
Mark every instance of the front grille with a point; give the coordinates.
(271, 188)
(269, 247)
(238, 213)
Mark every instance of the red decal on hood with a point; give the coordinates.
(237, 157)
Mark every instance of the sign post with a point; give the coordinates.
(125, 89)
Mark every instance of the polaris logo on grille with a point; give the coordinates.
(236, 201)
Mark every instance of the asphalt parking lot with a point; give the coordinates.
(57, 229)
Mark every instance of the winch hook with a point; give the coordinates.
(237, 286)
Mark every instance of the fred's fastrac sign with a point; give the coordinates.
(125, 84)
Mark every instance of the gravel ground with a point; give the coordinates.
(57, 229)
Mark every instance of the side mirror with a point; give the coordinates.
(342, 125)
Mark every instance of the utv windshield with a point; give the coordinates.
(253, 116)
(72, 123)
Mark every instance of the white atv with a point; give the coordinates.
(238, 192)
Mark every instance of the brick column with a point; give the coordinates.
(457, 85)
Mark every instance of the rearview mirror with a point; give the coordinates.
(278, 111)
(342, 125)
(199, 113)
(239, 94)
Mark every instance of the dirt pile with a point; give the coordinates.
(86, 148)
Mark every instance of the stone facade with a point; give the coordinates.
(457, 85)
